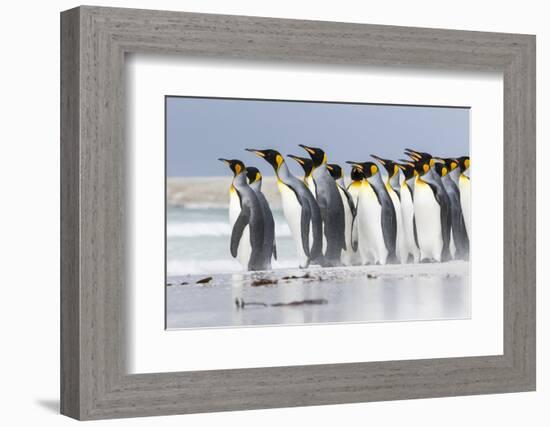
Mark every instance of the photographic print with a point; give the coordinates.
(291, 212)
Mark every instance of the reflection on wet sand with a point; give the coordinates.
(294, 297)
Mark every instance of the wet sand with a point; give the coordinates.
(320, 295)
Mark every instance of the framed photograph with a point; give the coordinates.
(274, 213)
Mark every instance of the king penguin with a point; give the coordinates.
(460, 244)
(376, 220)
(464, 186)
(246, 218)
(270, 250)
(299, 207)
(433, 180)
(429, 213)
(407, 211)
(354, 187)
(332, 208)
(307, 166)
(348, 255)
(394, 190)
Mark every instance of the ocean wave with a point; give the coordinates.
(212, 229)
(196, 229)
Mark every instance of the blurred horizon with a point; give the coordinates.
(199, 130)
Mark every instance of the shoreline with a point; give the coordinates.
(296, 296)
(443, 269)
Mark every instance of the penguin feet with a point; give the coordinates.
(304, 265)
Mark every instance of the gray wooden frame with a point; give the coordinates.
(94, 382)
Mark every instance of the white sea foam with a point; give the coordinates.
(195, 229)
(211, 228)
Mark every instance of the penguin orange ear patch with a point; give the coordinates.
(237, 169)
(373, 169)
(279, 159)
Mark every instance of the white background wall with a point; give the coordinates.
(29, 211)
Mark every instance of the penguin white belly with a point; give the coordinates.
(464, 187)
(400, 246)
(407, 217)
(244, 251)
(310, 184)
(371, 239)
(348, 254)
(428, 222)
(353, 190)
(293, 215)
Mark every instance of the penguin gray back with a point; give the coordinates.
(251, 215)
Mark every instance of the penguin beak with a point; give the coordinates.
(412, 153)
(259, 153)
(357, 165)
(225, 161)
(308, 149)
(298, 159)
(383, 161)
(414, 156)
(330, 168)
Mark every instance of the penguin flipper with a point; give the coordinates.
(316, 251)
(443, 201)
(389, 221)
(351, 205)
(389, 230)
(274, 251)
(354, 235)
(415, 233)
(304, 227)
(238, 229)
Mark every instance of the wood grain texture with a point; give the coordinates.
(94, 235)
(70, 292)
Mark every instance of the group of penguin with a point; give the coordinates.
(418, 212)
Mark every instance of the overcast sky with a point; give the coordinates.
(199, 130)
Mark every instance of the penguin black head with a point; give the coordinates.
(441, 169)
(450, 163)
(420, 167)
(464, 163)
(317, 155)
(253, 174)
(307, 164)
(391, 167)
(356, 174)
(272, 157)
(235, 165)
(335, 171)
(408, 169)
(419, 156)
(367, 168)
